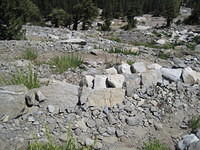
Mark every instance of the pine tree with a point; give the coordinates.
(171, 10)
(13, 14)
(59, 17)
(89, 13)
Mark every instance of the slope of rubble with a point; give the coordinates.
(114, 100)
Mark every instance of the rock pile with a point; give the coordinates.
(124, 102)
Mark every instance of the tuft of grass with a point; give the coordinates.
(194, 123)
(162, 55)
(116, 39)
(121, 51)
(30, 54)
(130, 62)
(28, 78)
(70, 144)
(155, 145)
(191, 46)
(62, 63)
(154, 45)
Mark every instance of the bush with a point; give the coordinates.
(194, 123)
(62, 63)
(27, 78)
(155, 145)
(30, 54)
(120, 51)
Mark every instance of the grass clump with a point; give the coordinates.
(30, 54)
(62, 63)
(194, 123)
(121, 51)
(28, 78)
(154, 45)
(155, 145)
(130, 62)
(70, 144)
(163, 55)
(116, 39)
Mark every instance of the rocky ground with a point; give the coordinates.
(114, 100)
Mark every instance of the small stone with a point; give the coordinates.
(50, 108)
(39, 96)
(119, 133)
(102, 130)
(133, 121)
(63, 138)
(158, 126)
(186, 141)
(77, 131)
(31, 119)
(111, 130)
(111, 119)
(89, 142)
(110, 140)
(98, 145)
(91, 123)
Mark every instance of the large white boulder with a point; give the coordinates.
(111, 70)
(138, 67)
(102, 97)
(88, 81)
(161, 41)
(171, 74)
(151, 78)
(12, 101)
(115, 81)
(124, 69)
(154, 66)
(190, 76)
(100, 82)
(61, 95)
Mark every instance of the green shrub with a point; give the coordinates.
(62, 63)
(28, 78)
(194, 123)
(121, 51)
(155, 145)
(30, 54)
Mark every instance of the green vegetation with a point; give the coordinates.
(59, 17)
(13, 15)
(30, 54)
(194, 123)
(191, 46)
(62, 63)
(70, 144)
(27, 77)
(163, 55)
(154, 45)
(155, 145)
(106, 25)
(114, 38)
(121, 51)
(130, 62)
(194, 18)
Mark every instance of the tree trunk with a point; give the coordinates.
(75, 26)
(168, 22)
